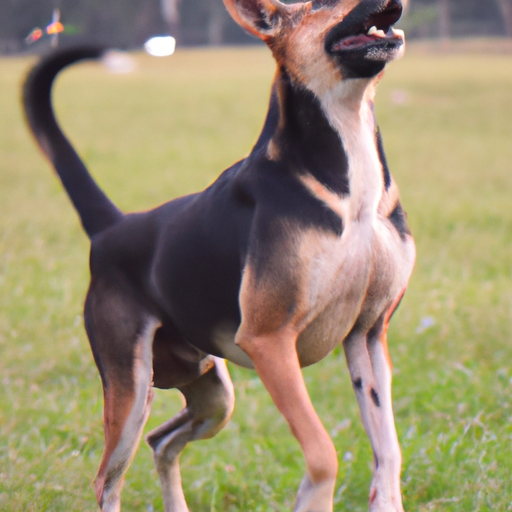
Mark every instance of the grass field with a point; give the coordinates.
(168, 129)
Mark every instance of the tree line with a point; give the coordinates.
(445, 19)
(128, 23)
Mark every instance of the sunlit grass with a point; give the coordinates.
(169, 128)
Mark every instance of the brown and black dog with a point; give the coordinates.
(297, 248)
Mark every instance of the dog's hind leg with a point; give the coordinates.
(370, 370)
(209, 404)
(121, 334)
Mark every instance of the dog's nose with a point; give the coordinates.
(395, 5)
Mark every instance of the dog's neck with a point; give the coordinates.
(349, 109)
(330, 138)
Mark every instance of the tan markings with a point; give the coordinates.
(347, 279)
(117, 406)
(273, 152)
(385, 346)
(125, 414)
(392, 309)
(389, 200)
(332, 282)
(275, 360)
(212, 400)
(322, 193)
(336, 276)
(384, 334)
(298, 37)
(373, 495)
(302, 50)
(266, 303)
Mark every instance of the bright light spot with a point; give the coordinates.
(118, 62)
(160, 46)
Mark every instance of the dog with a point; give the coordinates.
(298, 248)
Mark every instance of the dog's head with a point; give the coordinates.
(321, 42)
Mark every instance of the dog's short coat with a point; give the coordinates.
(297, 248)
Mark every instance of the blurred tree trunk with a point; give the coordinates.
(506, 11)
(217, 17)
(171, 15)
(149, 21)
(443, 7)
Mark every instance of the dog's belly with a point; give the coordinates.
(353, 280)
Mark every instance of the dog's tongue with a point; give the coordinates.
(359, 40)
(371, 36)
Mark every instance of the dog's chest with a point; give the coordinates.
(320, 282)
(348, 280)
(356, 277)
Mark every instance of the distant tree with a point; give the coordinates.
(211, 15)
(149, 21)
(127, 23)
(217, 21)
(208, 22)
(476, 18)
(506, 11)
(171, 15)
(124, 23)
(443, 7)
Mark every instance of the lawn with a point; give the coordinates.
(169, 128)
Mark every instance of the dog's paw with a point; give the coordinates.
(381, 501)
(313, 497)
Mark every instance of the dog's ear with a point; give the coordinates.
(261, 18)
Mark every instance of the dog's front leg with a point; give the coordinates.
(370, 370)
(275, 358)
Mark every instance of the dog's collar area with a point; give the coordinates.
(368, 26)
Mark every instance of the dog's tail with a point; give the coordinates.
(95, 210)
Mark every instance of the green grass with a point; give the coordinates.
(168, 129)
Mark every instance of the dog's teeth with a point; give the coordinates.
(374, 31)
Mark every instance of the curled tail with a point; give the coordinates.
(94, 208)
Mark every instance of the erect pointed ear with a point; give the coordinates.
(261, 18)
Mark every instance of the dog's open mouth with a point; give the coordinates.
(373, 34)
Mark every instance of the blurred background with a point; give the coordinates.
(159, 128)
(128, 23)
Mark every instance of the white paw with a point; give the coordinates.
(381, 501)
(313, 497)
